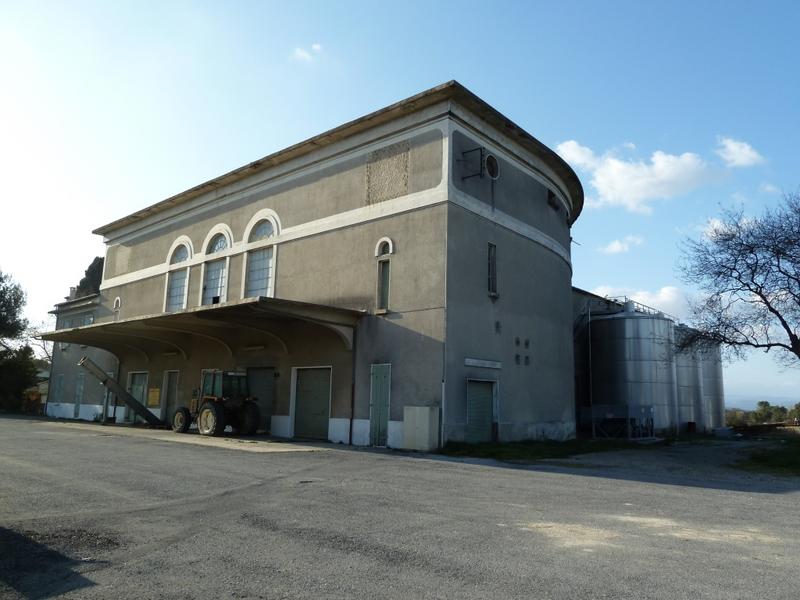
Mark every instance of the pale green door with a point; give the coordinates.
(381, 378)
(137, 387)
(480, 399)
(312, 403)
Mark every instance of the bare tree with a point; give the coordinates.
(41, 348)
(748, 270)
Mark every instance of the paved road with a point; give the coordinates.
(86, 512)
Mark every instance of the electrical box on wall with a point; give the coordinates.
(421, 428)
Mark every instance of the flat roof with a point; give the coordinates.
(452, 90)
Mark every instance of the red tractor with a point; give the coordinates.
(222, 399)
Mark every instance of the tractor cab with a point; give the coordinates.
(222, 399)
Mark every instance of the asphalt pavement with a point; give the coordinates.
(100, 512)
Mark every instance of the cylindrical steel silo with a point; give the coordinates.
(633, 364)
(689, 385)
(713, 397)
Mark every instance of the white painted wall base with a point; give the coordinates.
(60, 410)
(281, 426)
(87, 412)
(395, 434)
(361, 432)
(339, 431)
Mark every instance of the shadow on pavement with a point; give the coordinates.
(35, 570)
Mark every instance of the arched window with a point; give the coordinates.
(383, 251)
(216, 271)
(258, 278)
(177, 279)
(117, 307)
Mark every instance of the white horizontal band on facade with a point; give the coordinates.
(359, 216)
(485, 364)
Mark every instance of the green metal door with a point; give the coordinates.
(480, 398)
(137, 387)
(381, 378)
(312, 403)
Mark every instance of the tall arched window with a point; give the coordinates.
(383, 251)
(216, 271)
(258, 278)
(177, 279)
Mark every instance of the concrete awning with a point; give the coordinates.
(263, 323)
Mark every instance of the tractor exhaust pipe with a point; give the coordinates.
(121, 392)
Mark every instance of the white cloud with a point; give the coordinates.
(668, 299)
(631, 183)
(621, 245)
(736, 153)
(768, 188)
(302, 55)
(712, 228)
(307, 55)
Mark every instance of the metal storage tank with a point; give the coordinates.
(689, 379)
(713, 398)
(633, 363)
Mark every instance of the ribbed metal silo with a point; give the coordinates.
(713, 399)
(633, 363)
(688, 370)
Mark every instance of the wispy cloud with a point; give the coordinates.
(768, 188)
(633, 183)
(307, 54)
(621, 245)
(669, 299)
(736, 153)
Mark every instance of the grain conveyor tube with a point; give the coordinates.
(120, 391)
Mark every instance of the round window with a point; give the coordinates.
(492, 166)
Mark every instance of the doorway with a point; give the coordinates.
(312, 400)
(137, 387)
(379, 398)
(261, 384)
(480, 411)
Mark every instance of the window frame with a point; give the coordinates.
(261, 244)
(383, 262)
(182, 242)
(208, 257)
(491, 271)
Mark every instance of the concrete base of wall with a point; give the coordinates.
(63, 410)
(281, 426)
(515, 432)
(395, 434)
(339, 431)
(361, 432)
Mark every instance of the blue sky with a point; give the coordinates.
(667, 111)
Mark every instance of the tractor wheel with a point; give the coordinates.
(211, 419)
(249, 417)
(181, 419)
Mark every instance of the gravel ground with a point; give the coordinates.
(101, 512)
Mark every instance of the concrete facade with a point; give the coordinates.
(423, 186)
(73, 394)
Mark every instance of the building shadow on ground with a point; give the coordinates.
(34, 570)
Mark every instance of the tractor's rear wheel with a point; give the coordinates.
(181, 419)
(249, 416)
(211, 419)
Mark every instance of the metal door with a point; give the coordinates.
(312, 402)
(80, 381)
(480, 399)
(169, 394)
(380, 389)
(261, 384)
(137, 387)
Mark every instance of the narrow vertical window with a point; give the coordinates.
(492, 270)
(79, 385)
(177, 280)
(258, 280)
(215, 282)
(383, 252)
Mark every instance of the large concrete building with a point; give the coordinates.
(401, 280)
